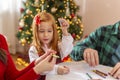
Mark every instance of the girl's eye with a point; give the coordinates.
(50, 31)
(41, 31)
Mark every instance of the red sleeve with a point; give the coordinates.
(13, 74)
(3, 43)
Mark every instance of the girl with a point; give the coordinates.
(8, 70)
(45, 37)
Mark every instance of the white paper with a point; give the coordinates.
(78, 71)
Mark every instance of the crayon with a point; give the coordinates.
(100, 73)
(56, 56)
(88, 75)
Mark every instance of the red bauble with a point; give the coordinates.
(21, 10)
(72, 15)
(20, 28)
(73, 35)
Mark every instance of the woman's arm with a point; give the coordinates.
(13, 74)
(3, 43)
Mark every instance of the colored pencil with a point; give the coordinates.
(88, 75)
(100, 73)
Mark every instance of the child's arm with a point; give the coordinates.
(33, 54)
(66, 45)
(60, 70)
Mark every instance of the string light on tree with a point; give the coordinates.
(53, 10)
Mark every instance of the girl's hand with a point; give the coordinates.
(91, 56)
(63, 70)
(64, 25)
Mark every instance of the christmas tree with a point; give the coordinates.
(59, 8)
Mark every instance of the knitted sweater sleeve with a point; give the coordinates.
(12, 73)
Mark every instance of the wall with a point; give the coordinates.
(96, 13)
(9, 12)
(8, 29)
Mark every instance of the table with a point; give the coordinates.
(78, 71)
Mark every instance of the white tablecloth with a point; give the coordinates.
(78, 71)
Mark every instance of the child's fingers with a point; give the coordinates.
(66, 70)
(60, 21)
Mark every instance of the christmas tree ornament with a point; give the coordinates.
(21, 23)
(67, 9)
(21, 10)
(27, 32)
(28, 11)
(73, 35)
(23, 41)
(20, 28)
(72, 15)
(53, 10)
(37, 2)
(42, 8)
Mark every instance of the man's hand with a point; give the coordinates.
(116, 71)
(91, 56)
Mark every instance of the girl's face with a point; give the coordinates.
(45, 33)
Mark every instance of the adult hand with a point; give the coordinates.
(45, 64)
(44, 56)
(91, 56)
(64, 26)
(115, 72)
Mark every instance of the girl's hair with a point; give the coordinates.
(3, 56)
(44, 17)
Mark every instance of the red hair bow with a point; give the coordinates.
(37, 20)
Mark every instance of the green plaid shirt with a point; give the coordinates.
(105, 40)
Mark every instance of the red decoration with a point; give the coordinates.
(20, 28)
(73, 35)
(72, 15)
(21, 10)
(67, 59)
(37, 20)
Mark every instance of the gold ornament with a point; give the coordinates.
(21, 23)
(53, 10)
(37, 2)
(23, 41)
(20, 61)
(28, 12)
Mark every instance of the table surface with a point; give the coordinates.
(78, 71)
